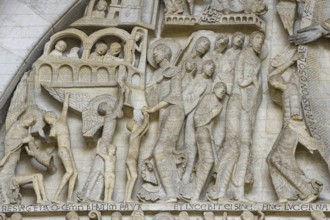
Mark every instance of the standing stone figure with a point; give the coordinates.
(289, 180)
(16, 137)
(241, 112)
(208, 108)
(196, 89)
(171, 113)
(109, 170)
(137, 132)
(217, 54)
(60, 131)
(226, 71)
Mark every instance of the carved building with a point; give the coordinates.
(173, 109)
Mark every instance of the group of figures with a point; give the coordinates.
(173, 123)
(177, 7)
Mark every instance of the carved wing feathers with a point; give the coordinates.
(287, 13)
(18, 102)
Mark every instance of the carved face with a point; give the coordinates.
(116, 216)
(190, 65)
(101, 49)
(115, 49)
(208, 68)
(238, 40)
(16, 216)
(50, 118)
(220, 90)
(138, 36)
(222, 43)
(161, 52)
(28, 121)
(257, 41)
(61, 46)
(101, 5)
(202, 45)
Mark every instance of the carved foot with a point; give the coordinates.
(224, 200)
(167, 200)
(57, 201)
(282, 201)
(43, 202)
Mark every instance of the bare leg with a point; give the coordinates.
(72, 182)
(37, 183)
(69, 166)
(131, 179)
(109, 186)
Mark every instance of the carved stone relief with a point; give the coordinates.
(152, 127)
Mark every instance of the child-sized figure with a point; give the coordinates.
(138, 131)
(109, 171)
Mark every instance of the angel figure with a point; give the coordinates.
(172, 115)
(289, 180)
(60, 131)
(137, 131)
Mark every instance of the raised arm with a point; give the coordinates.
(65, 106)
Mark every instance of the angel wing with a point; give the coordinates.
(78, 100)
(18, 102)
(287, 12)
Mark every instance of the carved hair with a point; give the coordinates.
(203, 40)
(224, 36)
(254, 34)
(116, 215)
(219, 85)
(208, 62)
(247, 215)
(167, 51)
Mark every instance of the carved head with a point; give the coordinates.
(28, 120)
(190, 65)
(116, 216)
(238, 40)
(256, 41)
(208, 68)
(138, 36)
(318, 215)
(16, 216)
(72, 216)
(247, 215)
(74, 50)
(101, 5)
(202, 45)
(208, 215)
(102, 109)
(61, 46)
(101, 48)
(222, 42)
(131, 125)
(162, 52)
(220, 89)
(50, 118)
(115, 49)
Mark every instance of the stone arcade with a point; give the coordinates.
(153, 110)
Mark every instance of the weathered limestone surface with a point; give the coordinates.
(131, 118)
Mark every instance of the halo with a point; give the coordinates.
(171, 43)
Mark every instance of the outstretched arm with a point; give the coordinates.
(65, 106)
(311, 33)
(157, 107)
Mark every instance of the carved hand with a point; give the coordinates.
(27, 139)
(308, 34)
